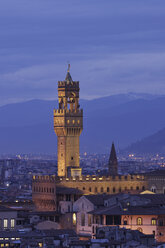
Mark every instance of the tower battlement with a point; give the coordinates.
(102, 178)
(68, 84)
(58, 112)
(53, 178)
(44, 178)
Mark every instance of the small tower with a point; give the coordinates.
(68, 125)
(113, 164)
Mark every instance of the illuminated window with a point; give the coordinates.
(139, 221)
(78, 121)
(153, 222)
(68, 121)
(40, 244)
(73, 121)
(5, 223)
(74, 218)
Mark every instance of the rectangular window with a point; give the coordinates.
(12, 223)
(5, 223)
(89, 220)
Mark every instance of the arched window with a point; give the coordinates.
(82, 219)
(74, 218)
(96, 189)
(114, 190)
(153, 222)
(125, 221)
(143, 188)
(90, 189)
(119, 190)
(102, 189)
(139, 221)
(107, 189)
(83, 188)
(153, 189)
(137, 188)
(131, 188)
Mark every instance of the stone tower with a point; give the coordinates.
(68, 125)
(113, 164)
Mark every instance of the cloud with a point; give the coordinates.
(113, 47)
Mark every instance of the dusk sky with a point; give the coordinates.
(113, 47)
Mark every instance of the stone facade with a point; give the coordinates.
(44, 193)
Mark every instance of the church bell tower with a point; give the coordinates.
(68, 125)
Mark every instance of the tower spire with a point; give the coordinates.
(68, 76)
(113, 163)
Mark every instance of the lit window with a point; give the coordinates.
(74, 218)
(40, 244)
(78, 122)
(12, 223)
(73, 121)
(153, 222)
(5, 223)
(139, 221)
(68, 121)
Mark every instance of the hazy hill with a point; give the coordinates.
(28, 126)
(151, 144)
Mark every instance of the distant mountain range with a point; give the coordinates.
(27, 127)
(152, 144)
